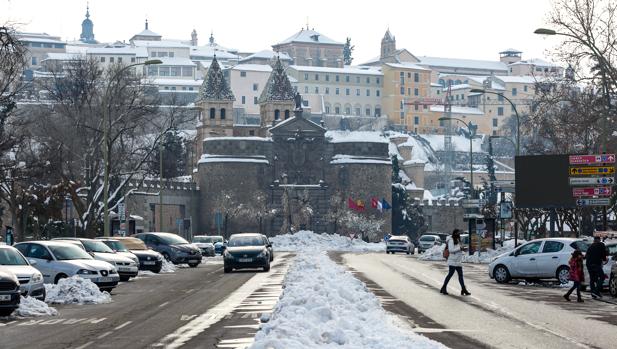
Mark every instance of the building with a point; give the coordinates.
(38, 45)
(146, 35)
(87, 29)
(310, 48)
(266, 57)
(247, 83)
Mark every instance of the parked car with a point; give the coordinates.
(173, 248)
(269, 245)
(127, 267)
(118, 247)
(9, 292)
(217, 240)
(611, 247)
(246, 251)
(538, 259)
(148, 258)
(30, 279)
(612, 283)
(57, 260)
(205, 244)
(400, 243)
(427, 241)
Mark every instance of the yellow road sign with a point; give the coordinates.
(592, 170)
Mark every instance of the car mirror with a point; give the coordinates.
(32, 262)
(269, 245)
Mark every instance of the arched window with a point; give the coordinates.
(277, 114)
(458, 82)
(222, 113)
(212, 113)
(286, 114)
(442, 82)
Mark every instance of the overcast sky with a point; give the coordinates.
(476, 29)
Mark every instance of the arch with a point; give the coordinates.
(337, 109)
(347, 110)
(212, 113)
(368, 110)
(377, 110)
(357, 109)
(222, 113)
(277, 114)
(287, 114)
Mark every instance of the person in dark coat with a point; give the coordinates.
(577, 275)
(595, 257)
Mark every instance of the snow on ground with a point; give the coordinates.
(324, 306)
(75, 290)
(307, 240)
(30, 306)
(168, 267)
(435, 253)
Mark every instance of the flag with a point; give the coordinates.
(359, 205)
(380, 206)
(374, 202)
(352, 204)
(385, 204)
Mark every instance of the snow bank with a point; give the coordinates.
(30, 306)
(435, 253)
(307, 240)
(75, 290)
(324, 306)
(168, 267)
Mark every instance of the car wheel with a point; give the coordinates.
(612, 286)
(58, 277)
(563, 274)
(501, 273)
(6, 311)
(124, 278)
(156, 271)
(166, 256)
(107, 289)
(271, 258)
(408, 251)
(267, 268)
(193, 265)
(227, 269)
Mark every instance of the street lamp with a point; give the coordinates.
(106, 150)
(518, 118)
(545, 31)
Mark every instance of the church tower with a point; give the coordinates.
(388, 44)
(194, 38)
(215, 102)
(276, 102)
(87, 29)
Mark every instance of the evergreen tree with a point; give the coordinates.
(407, 217)
(174, 157)
(347, 51)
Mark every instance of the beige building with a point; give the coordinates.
(310, 48)
(247, 81)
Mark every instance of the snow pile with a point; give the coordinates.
(434, 253)
(324, 306)
(168, 267)
(307, 240)
(30, 306)
(75, 290)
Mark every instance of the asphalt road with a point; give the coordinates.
(192, 308)
(499, 316)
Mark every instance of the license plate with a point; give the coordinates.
(5, 298)
(124, 269)
(105, 279)
(245, 260)
(149, 263)
(193, 261)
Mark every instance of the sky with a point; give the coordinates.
(474, 29)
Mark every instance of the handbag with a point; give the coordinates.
(446, 252)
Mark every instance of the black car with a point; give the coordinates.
(247, 251)
(173, 247)
(148, 258)
(9, 292)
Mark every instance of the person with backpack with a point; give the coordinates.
(453, 252)
(577, 275)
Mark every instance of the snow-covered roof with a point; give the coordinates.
(419, 151)
(175, 61)
(261, 139)
(510, 50)
(462, 63)
(309, 36)
(147, 32)
(346, 70)
(209, 158)
(127, 50)
(211, 51)
(518, 79)
(537, 62)
(356, 136)
(457, 110)
(160, 43)
(406, 65)
(41, 39)
(459, 143)
(253, 67)
(176, 82)
(458, 87)
(60, 56)
(339, 159)
(267, 54)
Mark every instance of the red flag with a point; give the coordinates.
(352, 204)
(374, 202)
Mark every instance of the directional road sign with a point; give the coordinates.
(592, 180)
(593, 202)
(592, 191)
(121, 211)
(595, 170)
(504, 183)
(592, 159)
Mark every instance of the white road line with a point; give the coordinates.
(84, 346)
(123, 325)
(104, 335)
(163, 304)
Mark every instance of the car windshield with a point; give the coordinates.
(115, 245)
(171, 239)
(239, 241)
(203, 239)
(96, 246)
(9, 256)
(68, 252)
(134, 244)
(427, 238)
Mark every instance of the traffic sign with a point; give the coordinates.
(592, 191)
(472, 215)
(593, 202)
(121, 211)
(592, 159)
(591, 180)
(472, 203)
(504, 183)
(595, 170)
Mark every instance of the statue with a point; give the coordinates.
(298, 100)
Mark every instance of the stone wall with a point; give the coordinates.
(443, 216)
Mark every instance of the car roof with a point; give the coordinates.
(246, 234)
(49, 242)
(395, 237)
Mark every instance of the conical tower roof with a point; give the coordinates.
(214, 87)
(278, 87)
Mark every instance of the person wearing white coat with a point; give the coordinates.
(454, 246)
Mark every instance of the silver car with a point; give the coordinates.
(57, 260)
(205, 244)
(30, 279)
(427, 241)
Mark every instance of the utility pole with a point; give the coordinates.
(161, 185)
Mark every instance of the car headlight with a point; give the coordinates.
(226, 254)
(262, 254)
(113, 271)
(86, 272)
(37, 277)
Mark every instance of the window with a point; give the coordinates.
(416, 107)
(119, 59)
(416, 120)
(402, 90)
(102, 59)
(368, 80)
(530, 248)
(416, 77)
(337, 110)
(173, 88)
(153, 70)
(368, 111)
(377, 93)
(368, 93)
(416, 92)
(163, 71)
(327, 77)
(358, 111)
(132, 59)
(190, 89)
(409, 75)
(153, 54)
(251, 133)
(242, 74)
(50, 46)
(347, 91)
(305, 89)
(500, 111)
(495, 122)
(338, 78)
(377, 80)
(39, 252)
(402, 115)
(514, 92)
(286, 114)
(222, 113)
(316, 89)
(402, 79)
(316, 77)
(162, 54)
(175, 71)
(171, 54)
(424, 106)
(327, 110)
(377, 111)
(347, 111)
(357, 92)
(305, 76)
(357, 79)
(440, 123)
(552, 246)
(409, 91)
(255, 87)
(525, 88)
(346, 78)
(212, 113)
(277, 114)
(327, 90)
(500, 97)
(337, 91)
(187, 71)
(111, 59)
(254, 100)
(243, 99)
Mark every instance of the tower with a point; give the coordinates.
(276, 102)
(388, 44)
(510, 56)
(211, 40)
(194, 38)
(87, 29)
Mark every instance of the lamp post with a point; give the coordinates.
(106, 150)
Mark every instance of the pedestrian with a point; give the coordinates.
(595, 257)
(455, 258)
(577, 275)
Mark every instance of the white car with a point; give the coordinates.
(400, 243)
(127, 267)
(538, 259)
(427, 241)
(57, 260)
(205, 244)
(30, 279)
(611, 246)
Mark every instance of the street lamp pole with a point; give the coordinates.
(161, 185)
(106, 150)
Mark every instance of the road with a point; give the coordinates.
(500, 316)
(191, 308)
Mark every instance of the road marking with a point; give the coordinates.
(84, 346)
(123, 325)
(164, 304)
(104, 335)
(189, 290)
(186, 317)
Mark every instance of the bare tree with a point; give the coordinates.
(12, 64)
(368, 226)
(257, 210)
(227, 204)
(337, 210)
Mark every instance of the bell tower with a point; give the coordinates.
(276, 102)
(388, 44)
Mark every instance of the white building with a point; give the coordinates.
(247, 81)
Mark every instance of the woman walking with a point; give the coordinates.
(577, 275)
(455, 257)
